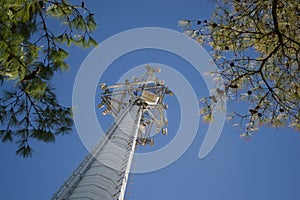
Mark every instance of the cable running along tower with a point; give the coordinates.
(137, 107)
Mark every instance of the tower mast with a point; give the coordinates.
(137, 107)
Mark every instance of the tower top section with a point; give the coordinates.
(146, 91)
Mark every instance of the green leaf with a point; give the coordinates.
(2, 132)
(207, 118)
(36, 88)
(43, 135)
(24, 151)
(92, 42)
(91, 24)
(7, 136)
(60, 65)
(62, 53)
(63, 130)
(45, 72)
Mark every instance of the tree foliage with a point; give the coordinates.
(256, 46)
(33, 35)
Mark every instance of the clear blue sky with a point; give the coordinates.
(267, 167)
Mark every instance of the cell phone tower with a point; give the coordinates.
(137, 107)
